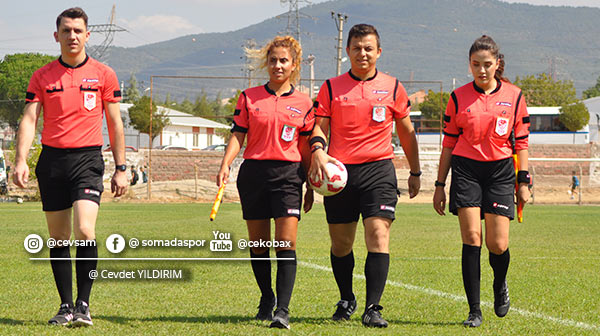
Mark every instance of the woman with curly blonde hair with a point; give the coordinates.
(276, 120)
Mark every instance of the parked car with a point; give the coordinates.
(171, 147)
(127, 149)
(220, 148)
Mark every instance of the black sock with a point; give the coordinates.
(376, 272)
(471, 271)
(262, 273)
(63, 273)
(342, 271)
(82, 269)
(286, 276)
(499, 263)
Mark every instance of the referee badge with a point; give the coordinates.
(379, 113)
(89, 100)
(288, 133)
(501, 126)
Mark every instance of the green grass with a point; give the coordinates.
(554, 276)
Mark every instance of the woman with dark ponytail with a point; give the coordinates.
(486, 121)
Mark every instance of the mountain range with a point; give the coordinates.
(423, 40)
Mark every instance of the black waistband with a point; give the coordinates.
(72, 150)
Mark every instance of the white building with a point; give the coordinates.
(184, 130)
(593, 106)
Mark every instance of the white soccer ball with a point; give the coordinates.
(19, 200)
(332, 186)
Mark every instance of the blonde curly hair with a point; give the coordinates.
(260, 57)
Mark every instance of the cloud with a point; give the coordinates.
(160, 27)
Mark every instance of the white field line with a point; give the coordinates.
(429, 291)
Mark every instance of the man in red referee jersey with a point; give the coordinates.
(359, 109)
(72, 91)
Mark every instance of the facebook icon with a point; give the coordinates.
(115, 243)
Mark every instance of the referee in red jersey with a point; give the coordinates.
(485, 122)
(73, 92)
(276, 120)
(359, 109)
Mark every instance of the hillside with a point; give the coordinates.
(429, 38)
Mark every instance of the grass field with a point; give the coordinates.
(554, 277)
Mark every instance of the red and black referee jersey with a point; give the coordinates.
(361, 115)
(479, 126)
(72, 100)
(273, 124)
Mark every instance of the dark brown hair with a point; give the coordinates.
(73, 13)
(361, 30)
(487, 43)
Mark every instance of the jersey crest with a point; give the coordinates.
(501, 126)
(288, 132)
(89, 100)
(379, 113)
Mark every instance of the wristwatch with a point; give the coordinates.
(121, 167)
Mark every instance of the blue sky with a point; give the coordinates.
(29, 27)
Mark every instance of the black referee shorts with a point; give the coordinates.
(371, 191)
(487, 185)
(270, 189)
(68, 175)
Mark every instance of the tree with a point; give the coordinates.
(432, 107)
(228, 110)
(186, 106)
(132, 94)
(594, 91)
(202, 107)
(32, 159)
(139, 116)
(574, 116)
(545, 91)
(15, 72)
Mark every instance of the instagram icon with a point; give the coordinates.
(33, 243)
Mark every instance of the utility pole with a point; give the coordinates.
(339, 23)
(311, 63)
(293, 18)
(109, 30)
(248, 69)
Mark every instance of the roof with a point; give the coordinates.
(593, 104)
(543, 110)
(179, 118)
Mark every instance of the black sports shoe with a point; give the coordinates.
(344, 310)
(474, 320)
(372, 317)
(64, 315)
(81, 316)
(265, 308)
(501, 300)
(281, 319)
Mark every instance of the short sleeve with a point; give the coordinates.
(309, 122)
(522, 124)
(401, 108)
(322, 106)
(34, 92)
(451, 131)
(240, 115)
(111, 91)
